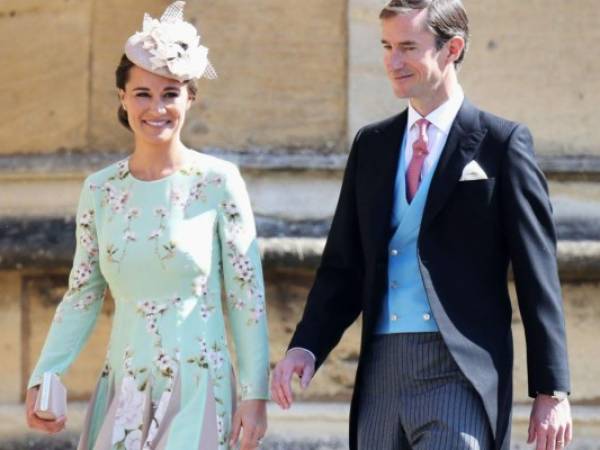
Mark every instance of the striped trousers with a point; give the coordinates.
(413, 396)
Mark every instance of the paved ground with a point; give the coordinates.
(309, 426)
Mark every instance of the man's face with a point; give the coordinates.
(413, 64)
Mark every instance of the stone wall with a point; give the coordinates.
(529, 61)
(288, 78)
(282, 68)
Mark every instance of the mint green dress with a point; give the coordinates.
(167, 249)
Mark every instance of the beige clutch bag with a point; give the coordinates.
(51, 402)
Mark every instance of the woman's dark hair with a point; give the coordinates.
(121, 78)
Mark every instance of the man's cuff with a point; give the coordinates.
(306, 350)
(558, 395)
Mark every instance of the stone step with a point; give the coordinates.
(49, 243)
(306, 426)
(559, 167)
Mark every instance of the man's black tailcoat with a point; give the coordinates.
(470, 232)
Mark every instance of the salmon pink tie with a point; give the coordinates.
(420, 152)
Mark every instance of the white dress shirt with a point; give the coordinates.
(441, 120)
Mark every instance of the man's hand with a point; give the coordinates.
(550, 423)
(251, 418)
(297, 361)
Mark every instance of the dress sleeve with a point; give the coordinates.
(244, 287)
(76, 314)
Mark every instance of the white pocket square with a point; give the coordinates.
(473, 171)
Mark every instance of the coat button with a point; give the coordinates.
(394, 252)
(394, 285)
(394, 317)
(426, 316)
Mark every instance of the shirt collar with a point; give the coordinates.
(443, 116)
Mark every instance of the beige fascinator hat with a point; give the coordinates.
(170, 47)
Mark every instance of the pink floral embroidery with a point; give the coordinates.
(151, 311)
(200, 286)
(85, 302)
(244, 270)
(81, 274)
(166, 251)
(129, 415)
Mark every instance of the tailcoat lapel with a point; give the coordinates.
(464, 139)
(386, 166)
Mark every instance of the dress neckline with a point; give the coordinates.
(185, 165)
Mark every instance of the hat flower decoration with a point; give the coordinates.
(170, 47)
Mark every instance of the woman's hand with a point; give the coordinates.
(251, 417)
(34, 422)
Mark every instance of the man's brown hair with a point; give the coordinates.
(445, 19)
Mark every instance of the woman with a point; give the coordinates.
(161, 229)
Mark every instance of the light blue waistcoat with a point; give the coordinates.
(406, 306)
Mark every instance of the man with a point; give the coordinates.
(435, 203)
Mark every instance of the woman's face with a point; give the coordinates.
(155, 105)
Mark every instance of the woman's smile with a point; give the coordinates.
(157, 123)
